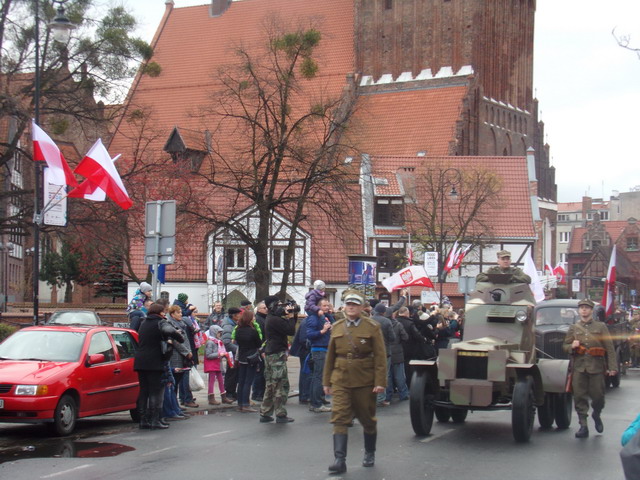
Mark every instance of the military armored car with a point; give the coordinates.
(495, 367)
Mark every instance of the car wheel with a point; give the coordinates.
(523, 409)
(546, 411)
(65, 416)
(442, 414)
(563, 409)
(421, 396)
(459, 415)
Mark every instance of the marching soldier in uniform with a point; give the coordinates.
(593, 356)
(355, 371)
(504, 266)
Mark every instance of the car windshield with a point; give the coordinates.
(43, 345)
(74, 318)
(556, 315)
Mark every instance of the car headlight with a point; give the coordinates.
(31, 390)
(521, 316)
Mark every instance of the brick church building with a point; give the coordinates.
(435, 84)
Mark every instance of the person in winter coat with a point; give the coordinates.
(149, 365)
(379, 315)
(414, 347)
(396, 376)
(137, 316)
(257, 390)
(249, 342)
(313, 297)
(231, 375)
(215, 317)
(142, 293)
(213, 352)
(186, 308)
(318, 334)
(182, 357)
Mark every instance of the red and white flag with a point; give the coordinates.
(90, 191)
(461, 256)
(451, 258)
(407, 277)
(608, 296)
(98, 167)
(547, 269)
(560, 273)
(45, 149)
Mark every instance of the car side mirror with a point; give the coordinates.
(95, 358)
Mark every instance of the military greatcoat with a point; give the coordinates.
(356, 362)
(518, 276)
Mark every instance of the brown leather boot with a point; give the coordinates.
(224, 398)
(212, 400)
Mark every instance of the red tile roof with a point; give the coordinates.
(408, 122)
(614, 228)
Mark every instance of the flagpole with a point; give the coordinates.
(37, 217)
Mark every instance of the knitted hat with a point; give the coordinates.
(380, 308)
(319, 285)
(183, 297)
(145, 287)
(270, 300)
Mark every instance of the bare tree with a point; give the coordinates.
(452, 204)
(275, 148)
(625, 42)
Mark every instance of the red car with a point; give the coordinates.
(57, 374)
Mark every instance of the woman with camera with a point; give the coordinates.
(249, 342)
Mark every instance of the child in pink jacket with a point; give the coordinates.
(213, 351)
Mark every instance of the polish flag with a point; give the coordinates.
(461, 256)
(97, 166)
(45, 149)
(407, 277)
(608, 296)
(560, 273)
(451, 258)
(547, 269)
(90, 191)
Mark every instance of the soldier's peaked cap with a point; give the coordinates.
(587, 302)
(504, 253)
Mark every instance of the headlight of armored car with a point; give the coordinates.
(31, 390)
(521, 316)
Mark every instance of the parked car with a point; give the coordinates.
(74, 317)
(58, 374)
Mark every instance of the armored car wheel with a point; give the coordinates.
(421, 396)
(442, 414)
(523, 409)
(563, 409)
(546, 412)
(458, 415)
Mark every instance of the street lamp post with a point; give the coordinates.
(61, 28)
(453, 195)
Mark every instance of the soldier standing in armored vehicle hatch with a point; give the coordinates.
(355, 370)
(590, 344)
(504, 266)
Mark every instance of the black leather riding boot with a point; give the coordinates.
(369, 449)
(340, 453)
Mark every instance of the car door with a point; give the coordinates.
(125, 347)
(101, 382)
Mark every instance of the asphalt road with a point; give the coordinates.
(225, 444)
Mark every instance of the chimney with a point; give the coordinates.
(586, 206)
(218, 7)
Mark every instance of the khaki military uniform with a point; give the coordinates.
(356, 362)
(518, 275)
(589, 365)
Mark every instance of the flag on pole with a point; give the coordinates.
(407, 277)
(547, 269)
(451, 258)
(45, 149)
(536, 286)
(608, 296)
(97, 166)
(90, 191)
(560, 273)
(461, 256)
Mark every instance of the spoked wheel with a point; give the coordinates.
(523, 409)
(65, 416)
(546, 412)
(442, 414)
(458, 415)
(563, 409)
(421, 396)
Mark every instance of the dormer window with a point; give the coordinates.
(389, 212)
(632, 243)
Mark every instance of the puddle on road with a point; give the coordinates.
(64, 449)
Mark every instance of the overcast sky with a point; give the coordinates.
(588, 88)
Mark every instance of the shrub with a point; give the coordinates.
(6, 330)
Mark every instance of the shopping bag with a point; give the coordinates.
(196, 383)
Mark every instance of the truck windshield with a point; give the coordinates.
(556, 316)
